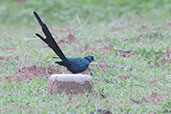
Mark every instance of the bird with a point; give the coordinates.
(74, 65)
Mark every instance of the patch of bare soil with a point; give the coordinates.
(120, 26)
(32, 109)
(1, 58)
(164, 27)
(124, 53)
(101, 66)
(28, 108)
(151, 35)
(124, 77)
(88, 49)
(70, 39)
(9, 49)
(6, 58)
(149, 27)
(101, 111)
(27, 73)
(167, 111)
(60, 30)
(153, 99)
(105, 49)
(19, 2)
(103, 41)
(166, 59)
(155, 82)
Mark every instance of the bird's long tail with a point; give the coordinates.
(49, 40)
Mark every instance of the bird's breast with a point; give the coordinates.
(75, 68)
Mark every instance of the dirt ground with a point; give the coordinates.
(28, 73)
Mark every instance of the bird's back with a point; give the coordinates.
(78, 64)
(78, 61)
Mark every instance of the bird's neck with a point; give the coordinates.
(87, 59)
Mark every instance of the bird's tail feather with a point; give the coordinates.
(60, 63)
(56, 57)
(49, 40)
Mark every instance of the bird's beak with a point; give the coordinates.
(93, 59)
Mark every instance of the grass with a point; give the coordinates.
(134, 85)
(64, 11)
(121, 96)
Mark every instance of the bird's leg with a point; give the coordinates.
(90, 72)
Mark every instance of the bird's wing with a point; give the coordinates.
(49, 40)
(78, 61)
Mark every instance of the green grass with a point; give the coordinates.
(64, 11)
(147, 87)
(120, 95)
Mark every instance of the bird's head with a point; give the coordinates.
(89, 58)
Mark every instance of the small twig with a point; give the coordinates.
(31, 38)
(23, 61)
(55, 37)
(108, 64)
(78, 19)
(2, 49)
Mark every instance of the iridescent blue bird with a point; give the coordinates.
(75, 65)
